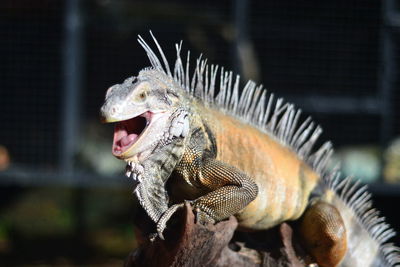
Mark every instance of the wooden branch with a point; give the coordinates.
(190, 244)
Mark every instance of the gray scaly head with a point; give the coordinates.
(152, 124)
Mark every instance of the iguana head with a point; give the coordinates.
(148, 111)
(151, 126)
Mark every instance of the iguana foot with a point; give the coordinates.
(201, 217)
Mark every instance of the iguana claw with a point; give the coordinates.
(203, 217)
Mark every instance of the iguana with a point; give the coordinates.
(199, 138)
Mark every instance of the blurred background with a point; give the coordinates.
(64, 199)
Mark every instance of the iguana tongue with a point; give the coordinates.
(127, 140)
(123, 139)
(126, 133)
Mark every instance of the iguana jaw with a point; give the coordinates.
(138, 136)
(127, 132)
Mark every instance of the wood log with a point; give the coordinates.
(191, 244)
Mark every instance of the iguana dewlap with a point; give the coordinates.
(198, 139)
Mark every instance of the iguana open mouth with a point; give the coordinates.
(127, 132)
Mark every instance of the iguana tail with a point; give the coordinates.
(367, 232)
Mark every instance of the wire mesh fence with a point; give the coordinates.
(325, 57)
(335, 60)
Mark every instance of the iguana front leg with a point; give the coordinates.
(229, 190)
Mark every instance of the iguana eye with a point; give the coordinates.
(142, 96)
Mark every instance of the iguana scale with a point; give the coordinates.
(197, 138)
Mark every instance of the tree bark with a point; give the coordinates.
(190, 244)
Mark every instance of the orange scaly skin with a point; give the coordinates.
(283, 180)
